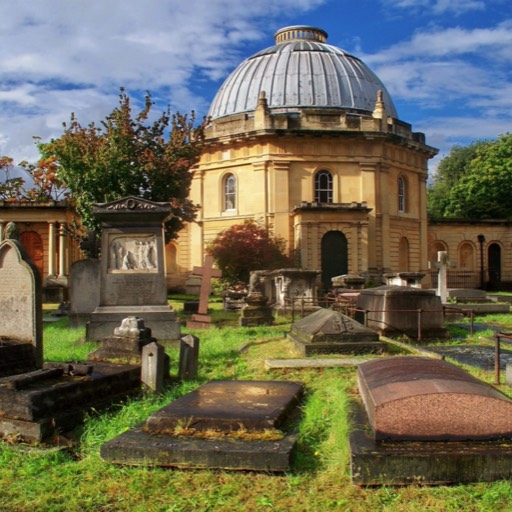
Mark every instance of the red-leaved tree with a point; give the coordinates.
(245, 247)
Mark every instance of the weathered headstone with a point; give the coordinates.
(153, 367)
(207, 272)
(330, 332)
(189, 357)
(428, 421)
(84, 289)
(132, 278)
(21, 309)
(295, 288)
(219, 425)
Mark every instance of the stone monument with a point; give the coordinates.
(132, 275)
(330, 332)
(21, 339)
(256, 310)
(295, 288)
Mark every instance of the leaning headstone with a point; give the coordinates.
(189, 357)
(21, 310)
(235, 425)
(330, 332)
(132, 277)
(429, 422)
(153, 367)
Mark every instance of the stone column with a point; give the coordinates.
(62, 250)
(51, 249)
(1, 230)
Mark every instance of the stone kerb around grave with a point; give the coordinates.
(20, 298)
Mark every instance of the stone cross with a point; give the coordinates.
(206, 272)
(442, 264)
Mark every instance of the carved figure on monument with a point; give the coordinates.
(134, 253)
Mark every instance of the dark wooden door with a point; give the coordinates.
(494, 263)
(334, 257)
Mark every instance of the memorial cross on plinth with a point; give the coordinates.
(207, 272)
(442, 264)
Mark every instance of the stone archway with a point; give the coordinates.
(334, 256)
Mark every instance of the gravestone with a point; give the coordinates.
(21, 340)
(84, 289)
(189, 357)
(330, 332)
(153, 367)
(222, 424)
(428, 421)
(132, 276)
(202, 320)
(399, 310)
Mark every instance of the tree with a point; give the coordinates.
(245, 247)
(449, 172)
(484, 191)
(45, 185)
(129, 156)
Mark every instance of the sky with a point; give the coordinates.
(446, 63)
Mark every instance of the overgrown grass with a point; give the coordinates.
(79, 480)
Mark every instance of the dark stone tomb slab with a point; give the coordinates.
(223, 424)
(428, 421)
(330, 332)
(37, 405)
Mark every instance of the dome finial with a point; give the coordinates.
(300, 33)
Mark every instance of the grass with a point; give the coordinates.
(78, 479)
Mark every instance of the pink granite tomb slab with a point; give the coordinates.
(421, 399)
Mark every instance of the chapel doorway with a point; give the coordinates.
(33, 244)
(334, 257)
(494, 264)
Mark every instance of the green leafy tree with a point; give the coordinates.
(11, 188)
(245, 247)
(485, 190)
(129, 155)
(449, 172)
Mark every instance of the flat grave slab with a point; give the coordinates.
(480, 356)
(317, 362)
(235, 425)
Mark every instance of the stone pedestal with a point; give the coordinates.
(256, 311)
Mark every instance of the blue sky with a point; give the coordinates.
(446, 63)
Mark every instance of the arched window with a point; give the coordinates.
(402, 190)
(323, 187)
(229, 192)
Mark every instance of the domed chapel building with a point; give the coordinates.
(305, 138)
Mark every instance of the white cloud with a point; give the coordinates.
(438, 7)
(60, 56)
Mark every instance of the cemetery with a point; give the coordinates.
(262, 412)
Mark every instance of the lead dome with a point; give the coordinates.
(301, 71)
